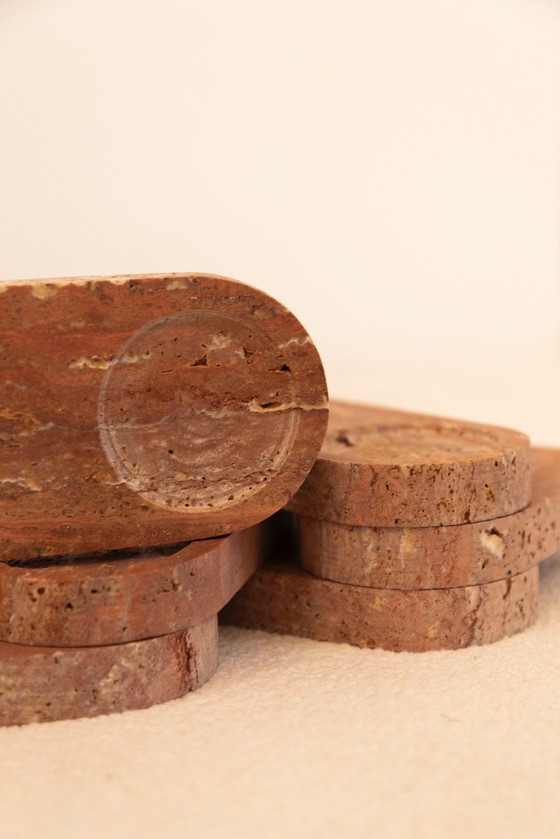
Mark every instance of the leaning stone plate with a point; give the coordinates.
(147, 410)
(386, 468)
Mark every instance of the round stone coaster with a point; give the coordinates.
(146, 410)
(440, 557)
(385, 468)
(289, 600)
(110, 599)
(41, 684)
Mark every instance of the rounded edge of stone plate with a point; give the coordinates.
(113, 601)
(44, 684)
(385, 468)
(439, 557)
(290, 601)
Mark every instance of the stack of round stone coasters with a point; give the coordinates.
(415, 533)
(109, 633)
(142, 420)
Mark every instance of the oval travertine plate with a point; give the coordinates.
(111, 599)
(148, 410)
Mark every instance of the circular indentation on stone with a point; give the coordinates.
(387, 468)
(419, 443)
(193, 412)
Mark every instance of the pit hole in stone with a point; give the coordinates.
(201, 362)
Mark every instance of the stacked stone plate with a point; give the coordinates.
(138, 412)
(115, 632)
(415, 533)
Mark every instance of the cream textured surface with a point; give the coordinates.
(303, 739)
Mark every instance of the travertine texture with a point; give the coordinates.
(39, 684)
(440, 557)
(147, 410)
(287, 599)
(110, 599)
(386, 468)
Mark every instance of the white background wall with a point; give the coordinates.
(387, 168)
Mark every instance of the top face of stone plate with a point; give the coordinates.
(372, 435)
(385, 468)
(149, 409)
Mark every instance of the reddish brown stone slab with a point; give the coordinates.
(111, 600)
(289, 600)
(146, 410)
(41, 684)
(386, 468)
(440, 557)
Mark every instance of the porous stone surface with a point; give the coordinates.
(147, 410)
(110, 600)
(440, 557)
(289, 600)
(41, 684)
(385, 468)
